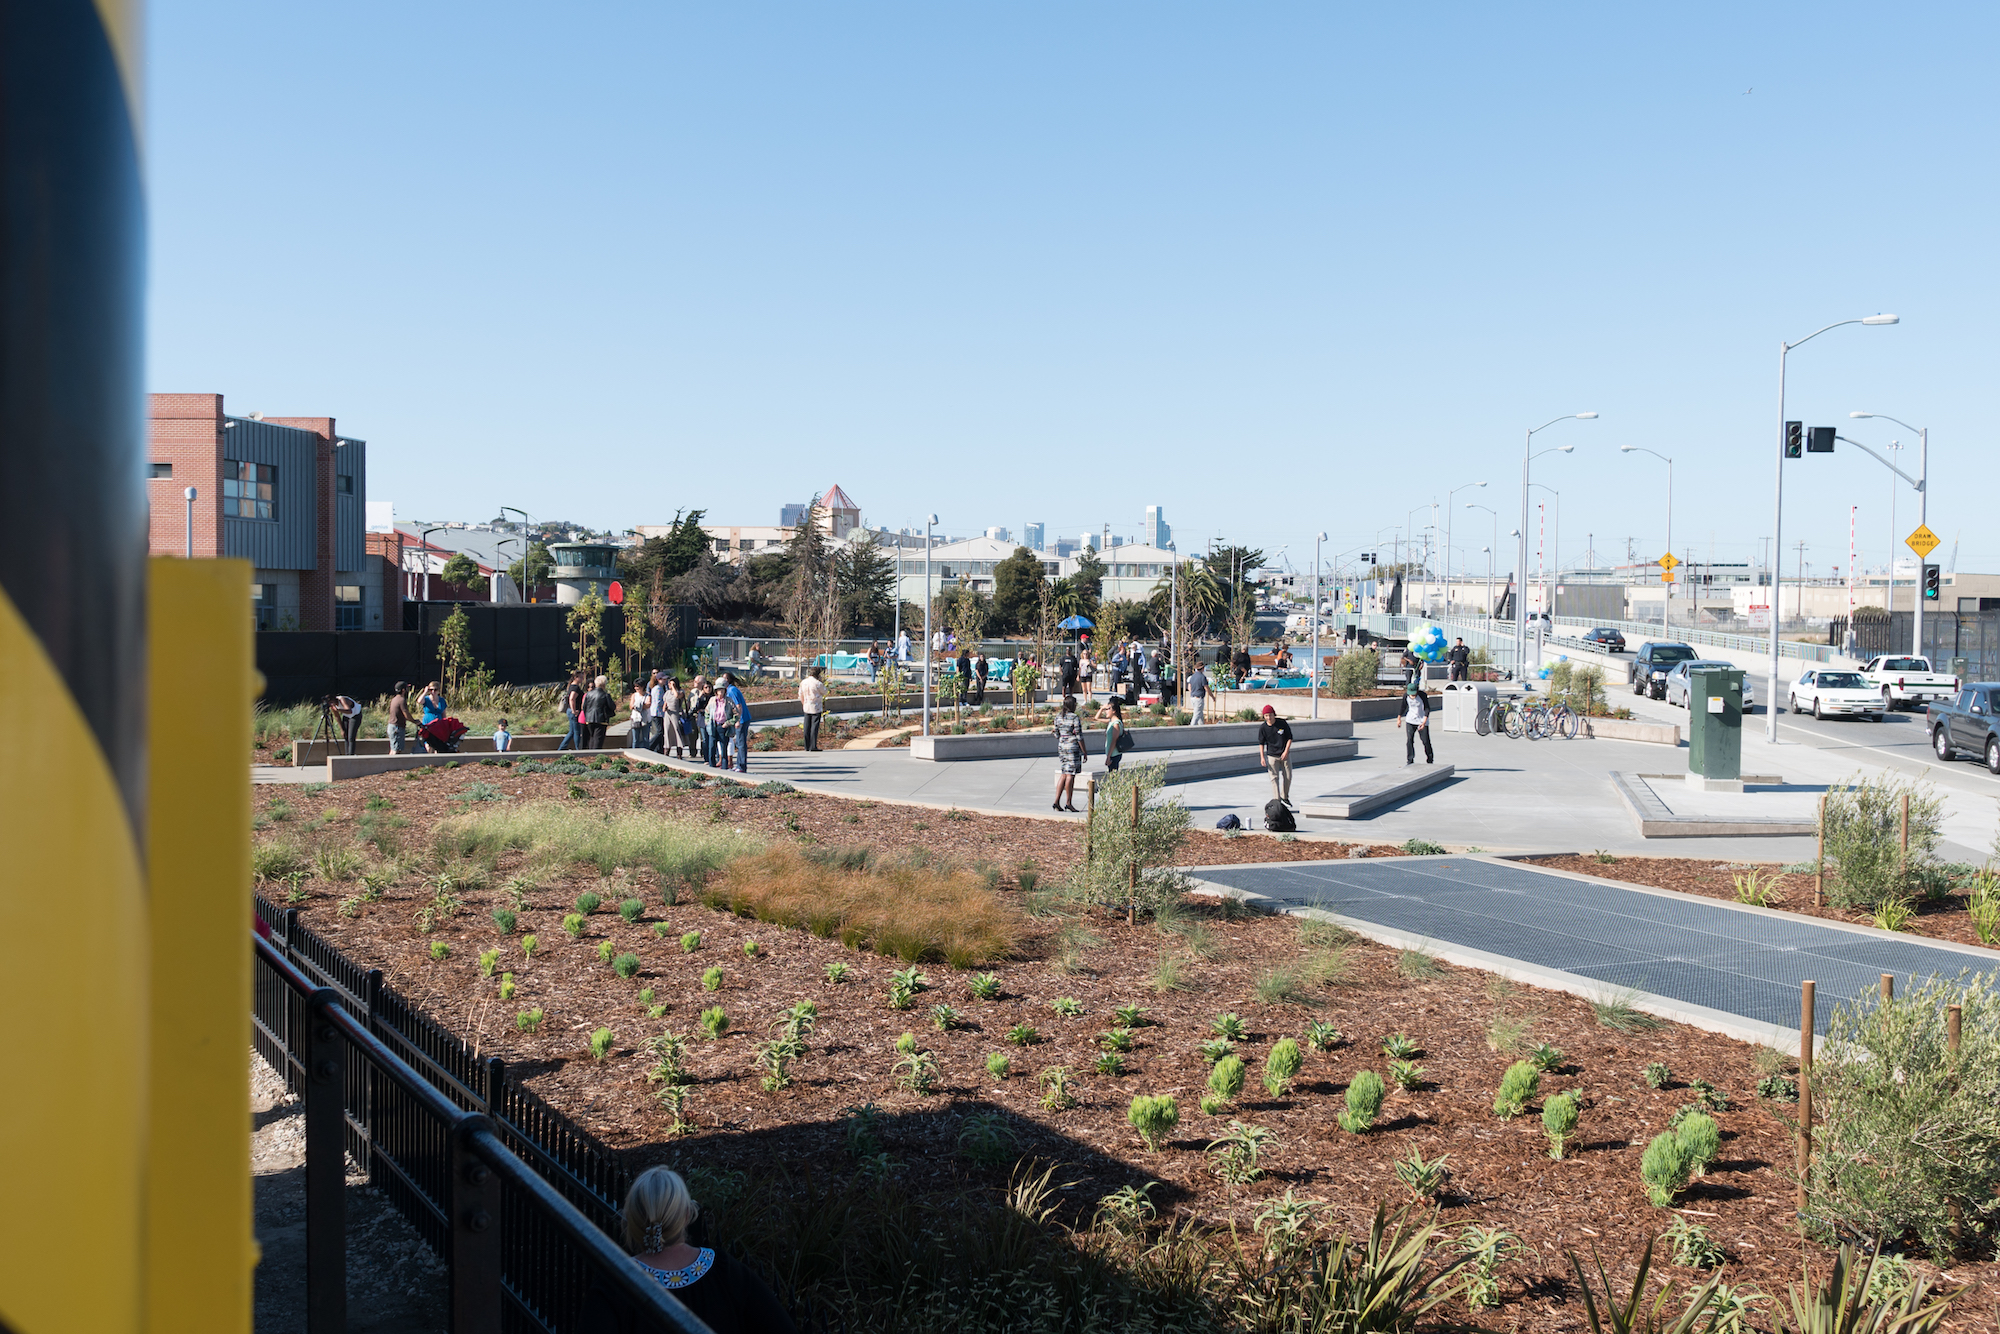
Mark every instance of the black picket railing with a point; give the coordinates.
(513, 1197)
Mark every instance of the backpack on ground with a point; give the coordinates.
(1229, 822)
(1278, 817)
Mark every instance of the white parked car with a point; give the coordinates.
(1678, 684)
(1826, 692)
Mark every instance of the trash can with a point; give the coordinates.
(1465, 702)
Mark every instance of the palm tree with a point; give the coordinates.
(1069, 597)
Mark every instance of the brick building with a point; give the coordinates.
(286, 494)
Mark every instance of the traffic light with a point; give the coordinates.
(1820, 441)
(1795, 439)
(1931, 578)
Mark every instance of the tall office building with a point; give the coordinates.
(1156, 532)
(1031, 535)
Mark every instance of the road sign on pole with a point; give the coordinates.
(1668, 561)
(1666, 576)
(1923, 541)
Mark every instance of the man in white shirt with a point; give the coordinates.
(1416, 723)
(656, 708)
(812, 703)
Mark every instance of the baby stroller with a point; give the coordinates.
(442, 735)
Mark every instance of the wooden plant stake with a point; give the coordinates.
(1888, 986)
(1819, 854)
(1903, 866)
(1953, 1015)
(1805, 1092)
(1089, 820)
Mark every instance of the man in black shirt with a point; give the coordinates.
(1460, 659)
(1274, 736)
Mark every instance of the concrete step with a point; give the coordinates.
(1374, 791)
(1029, 745)
(1186, 767)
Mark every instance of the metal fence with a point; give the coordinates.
(1972, 635)
(517, 1200)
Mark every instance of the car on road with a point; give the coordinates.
(1909, 682)
(1610, 641)
(1679, 684)
(1647, 674)
(1832, 692)
(1968, 724)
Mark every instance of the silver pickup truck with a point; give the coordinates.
(1907, 682)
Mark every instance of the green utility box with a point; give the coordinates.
(1715, 725)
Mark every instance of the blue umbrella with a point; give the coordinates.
(1075, 623)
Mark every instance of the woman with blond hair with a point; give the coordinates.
(723, 1293)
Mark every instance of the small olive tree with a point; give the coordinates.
(1907, 1131)
(1117, 844)
(1864, 837)
(1354, 672)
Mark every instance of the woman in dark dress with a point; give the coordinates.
(1069, 754)
(722, 1292)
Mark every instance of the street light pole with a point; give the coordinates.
(1666, 610)
(1491, 609)
(930, 521)
(1317, 539)
(1174, 620)
(1923, 517)
(1778, 512)
(189, 493)
(425, 556)
(1555, 550)
(1528, 456)
(1447, 540)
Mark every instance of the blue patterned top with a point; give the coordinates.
(686, 1274)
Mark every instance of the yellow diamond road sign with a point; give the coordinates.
(1923, 541)
(1668, 561)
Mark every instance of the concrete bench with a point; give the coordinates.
(1189, 768)
(1374, 791)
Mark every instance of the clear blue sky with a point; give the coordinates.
(1278, 268)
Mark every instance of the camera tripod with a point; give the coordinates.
(327, 727)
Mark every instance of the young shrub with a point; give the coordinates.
(504, 919)
(506, 986)
(690, 942)
(1711, 1097)
(917, 1071)
(487, 959)
(1282, 1067)
(1237, 1153)
(529, 1021)
(1154, 1118)
(904, 984)
(712, 980)
(1693, 1247)
(1130, 1016)
(836, 971)
(1702, 1139)
(1863, 838)
(1657, 1076)
(587, 903)
(1778, 1088)
(1321, 1036)
(1056, 1094)
(1485, 1249)
(661, 930)
(1517, 1089)
(750, 948)
(1408, 1075)
(1364, 1102)
(1213, 1104)
(988, 1140)
(906, 1044)
(1424, 1180)
(1115, 1039)
(1230, 1027)
(439, 951)
(528, 944)
(632, 910)
(984, 986)
(572, 925)
(605, 949)
(1664, 1168)
(1215, 1049)
(1559, 1117)
(1226, 1079)
(626, 966)
(944, 1018)
(1068, 1007)
(600, 1044)
(1023, 1035)
(1400, 1048)
(714, 1022)
(997, 1065)
(1544, 1057)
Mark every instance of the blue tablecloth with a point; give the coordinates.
(839, 662)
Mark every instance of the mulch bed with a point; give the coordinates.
(1502, 1175)
(1937, 919)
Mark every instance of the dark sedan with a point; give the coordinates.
(1610, 641)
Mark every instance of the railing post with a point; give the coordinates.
(325, 1062)
(474, 1208)
(371, 995)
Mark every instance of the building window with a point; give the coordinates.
(344, 484)
(249, 490)
(347, 606)
(159, 470)
(745, 543)
(722, 544)
(264, 605)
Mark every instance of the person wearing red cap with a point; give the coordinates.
(1274, 736)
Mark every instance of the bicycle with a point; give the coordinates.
(1508, 716)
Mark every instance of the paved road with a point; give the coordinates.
(1708, 961)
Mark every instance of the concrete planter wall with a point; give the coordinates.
(1368, 708)
(1631, 729)
(1220, 736)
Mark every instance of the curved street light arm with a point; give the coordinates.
(1915, 484)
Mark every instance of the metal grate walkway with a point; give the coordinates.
(1689, 949)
